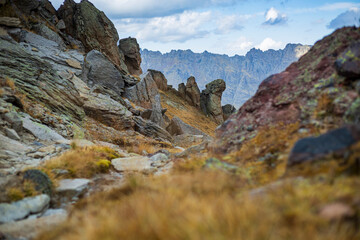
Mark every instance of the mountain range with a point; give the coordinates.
(242, 74)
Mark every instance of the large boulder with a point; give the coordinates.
(193, 92)
(182, 90)
(131, 50)
(99, 70)
(210, 99)
(313, 148)
(159, 78)
(156, 113)
(86, 23)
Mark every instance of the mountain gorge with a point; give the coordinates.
(242, 74)
(94, 147)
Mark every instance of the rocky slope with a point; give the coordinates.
(242, 74)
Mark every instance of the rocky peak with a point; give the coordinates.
(91, 26)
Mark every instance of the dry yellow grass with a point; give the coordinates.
(180, 108)
(210, 205)
(81, 162)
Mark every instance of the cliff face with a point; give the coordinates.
(242, 74)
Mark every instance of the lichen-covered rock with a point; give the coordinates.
(348, 64)
(38, 80)
(91, 26)
(160, 79)
(210, 99)
(131, 50)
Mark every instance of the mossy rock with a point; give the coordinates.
(40, 179)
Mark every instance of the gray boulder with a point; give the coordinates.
(70, 190)
(99, 70)
(15, 120)
(18, 210)
(156, 113)
(137, 163)
(11, 133)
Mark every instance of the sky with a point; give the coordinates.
(229, 27)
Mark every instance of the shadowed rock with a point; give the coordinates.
(178, 127)
(193, 92)
(131, 51)
(151, 129)
(313, 148)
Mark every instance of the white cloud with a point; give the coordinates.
(274, 17)
(338, 6)
(269, 43)
(239, 46)
(348, 18)
(178, 27)
(150, 8)
(230, 23)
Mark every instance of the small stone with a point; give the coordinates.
(70, 190)
(73, 63)
(48, 149)
(11, 133)
(37, 154)
(34, 49)
(336, 211)
(60, 172)
(61, 25)
(158, 160)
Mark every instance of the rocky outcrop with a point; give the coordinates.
(131, 51)
(298, 94)
(91, 26)
(210, 100)
(182, 90)
(159, 78)
(228, 109)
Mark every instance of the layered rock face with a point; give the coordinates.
(323, 86)
(91, 26)
(190, 92)
(242, 74)
(210, 100)
(131, 51)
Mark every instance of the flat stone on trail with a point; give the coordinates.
(137, 163)
(18, 210)
(75, 186)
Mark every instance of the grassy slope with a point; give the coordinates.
(178, 107)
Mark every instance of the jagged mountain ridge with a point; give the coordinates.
(242, 74)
